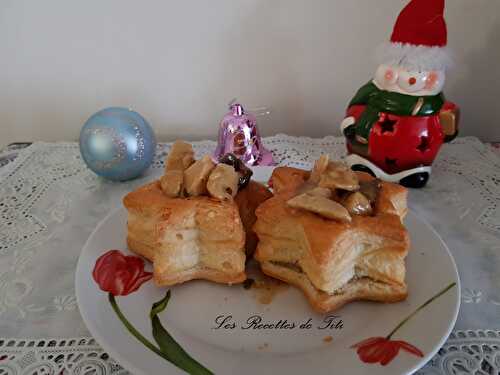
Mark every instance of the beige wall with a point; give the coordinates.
(179, 62)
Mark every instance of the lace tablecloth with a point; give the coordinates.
(50, 203)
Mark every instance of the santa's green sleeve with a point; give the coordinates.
(364, 94)
(369, 114)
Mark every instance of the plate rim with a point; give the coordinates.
(426, 358)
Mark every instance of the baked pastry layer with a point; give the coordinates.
(334, 262)
(362, 288)
(186, 238)
(193, 238)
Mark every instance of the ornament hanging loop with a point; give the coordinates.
(237, 109)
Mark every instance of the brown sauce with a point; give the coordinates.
(266, 289)
(262, 287)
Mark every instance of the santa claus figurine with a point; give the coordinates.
(397, 122)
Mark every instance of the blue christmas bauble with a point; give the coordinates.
(117, 144)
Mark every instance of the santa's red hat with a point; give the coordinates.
(419, 38)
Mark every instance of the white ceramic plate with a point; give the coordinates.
(194, 306)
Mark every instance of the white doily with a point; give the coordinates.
(80, 356)
(466, 352)
(50, 203)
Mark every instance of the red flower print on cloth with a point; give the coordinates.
(381, 350)
(120, 274)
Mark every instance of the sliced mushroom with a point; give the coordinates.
(339, 176)
(171, 183)
(245, 176)
(358, 204)
(320, 167)
(321, 206)
(196, 176)
(240, 167)
(230, 159)
(320, 192)
(370, 189)
(305, 187)
(311, 189)
(337, 165)
(223, 182)
(180, 157)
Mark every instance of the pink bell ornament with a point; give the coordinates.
(239, 135)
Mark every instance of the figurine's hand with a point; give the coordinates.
(449, 119)
(348, 121)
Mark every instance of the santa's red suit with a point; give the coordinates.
(398, 143)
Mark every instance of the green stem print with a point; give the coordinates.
(168, 348)
(430, 300)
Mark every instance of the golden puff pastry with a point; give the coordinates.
(193, 238)
(334, 262)
(186, 238)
